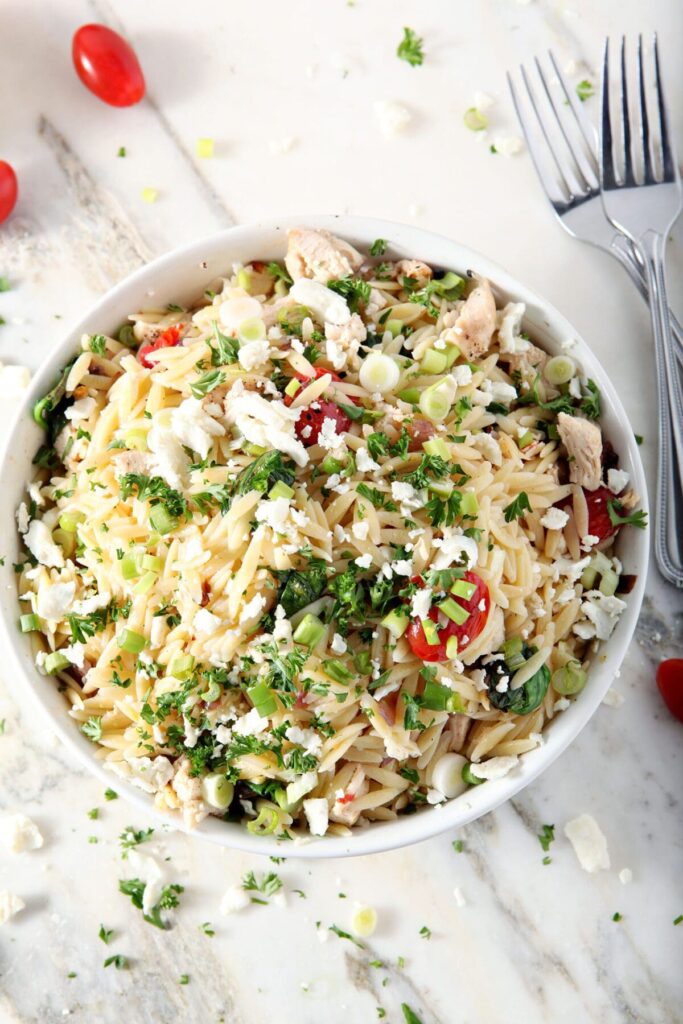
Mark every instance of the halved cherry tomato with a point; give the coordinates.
(107, 65)
(169, 338)
(466, 633)
(310, 422)
(599, 523)
(8, 190)
(670, 683)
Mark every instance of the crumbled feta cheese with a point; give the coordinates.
(494, 768)
(328, 437)
(253, 354)
(149, 774)
(462, 375)
(602, 613)
(509, 145)
(364, 561)
(489, 448)
(205, 623)
(22, 517)
(554, 518)
(420, 603)
(194, 427)
(269, 424)
(38, 540)
(9, 905)
(250, 724)
(328, 305)
(625, 876)
(54, 600)
(393, 117)
(589, 541)
(575, 388)
(317, 815)
(360, 530)
(402, 567)
(252, 610)
(509, 325)
(455, 549)
(459, 898)
(364, 463)
(234, 899)
(306, 738)
(338, 644)
(19, 834)
(502, 685)
(407, 495)
(617, 479)
(80, 410)
(562, 704)
(273, 513)
(613, 699)
(590, 845)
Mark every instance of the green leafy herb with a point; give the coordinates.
(264, 472)
(93, 728)
(110, 794)
(279, 272)
(354, 289)
(444, 511)
(5, 284)
(590, 403)
(97, 344)
(131, 837)
(207, 382)
(207, 928)
(584, 89)
(267, 886)
(94, 813)
(378, 247)
(639, 439)
(184, 979)
(617, 916)
(637, 518)
(119, 961)
(678, 920)
(409, 1015)
(155, 490)
(226, 350)
(458, 845)
(425, 932)
(345, 935)
(359, 414)
(410, 48)
(135, 888)
(122, 151)
(517, 507)
(105, 934)
(547, 836)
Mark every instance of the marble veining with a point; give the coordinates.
(525, 942)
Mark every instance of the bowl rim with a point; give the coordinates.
(412, 242)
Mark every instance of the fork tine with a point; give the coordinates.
(649, 177)
(607, 176)
(584, 170)
(668, 160)
(549, 184)
(572, 186)
(629, 176)
(585, 125)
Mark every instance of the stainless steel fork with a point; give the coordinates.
(641, 193)
(571, 179)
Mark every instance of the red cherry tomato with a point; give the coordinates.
(8, 190)
(470, 629)
(599, 523)
(169, 338)
(319, 372)
(107, 65)
(670, 683)
(326, 410)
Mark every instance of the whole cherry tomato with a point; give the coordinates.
(465, 633)
(107, 65)
(8, 190)
(169, 338)
(670, 683)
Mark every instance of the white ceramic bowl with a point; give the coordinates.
(181, 276)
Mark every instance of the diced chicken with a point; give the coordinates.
(583, 442)
(416, 269)
(131, 462)
(189, 790)
(320, 255)
(459, 727)
(477, 321)
(344, 809)
(533, 359)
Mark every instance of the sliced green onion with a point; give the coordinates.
(437, 446)
(569, 679)
(463, 588)
(212, 692)
(145, 583)
(396, 622)
(379, 372)
(337, 670)
(451, 352)
(468, 777)
(162, 521)
(394, 327)
(252, 329)
(254, 449)
(136, 439)
(130, 565)
(512, 651)
(475, 120)
(609, 583)
(433, 362)
(152, 563)
(217, 791)
(281, 287)
(444, 488)
(310, 631)
(150, 195)
(281, 490)
(435, 401)
(29, 623)
(244, 278)
(525, 439)
(362, 662)
(69, 521)
(559, 370)
(454, 611)
(204, 150)
(331, 465)
(430, 631)
(410, 395)
(452, 647)
(266, 823)
(598, 566)
(261, 696)
(66, 541)
(55, 662)
(469, 506)
(181, 667)
(130, 641)
(127, 337)
(293, 387)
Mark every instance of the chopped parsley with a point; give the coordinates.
(93, 728)
(110, 794)
(119, 961)
(207, 382)
(135, 888)
(517, 507)
(94, 813)
(122, 151)
(585, 89)
(226, 349)
(458, 845)
(345, 935)
(207, 928)
(378, 247)
(409, 1015)
(617, 916)
(354, 289)
(637, 518)
(268, 885)
(410, 49)
(278, 272)
(131, 837)
(105, 934)
(546, 836)
(97, 344)
(590, 403)
(425, 932)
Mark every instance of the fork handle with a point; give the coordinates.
(669, 508)
(622, 249)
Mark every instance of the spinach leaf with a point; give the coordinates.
(300, 588)
(48, 412)
(264, 472)
(525, 698)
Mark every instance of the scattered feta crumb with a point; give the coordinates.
(393, 117)
(554, 518)
(459, 898)
(9, 905)
(589, 842)
(19, 834)
(360, 530)
(494, 768)
(317, 815)
(338, 644)
(625, 876)
(364, 561)
(617, 479)
(234, 900)
(613, 699)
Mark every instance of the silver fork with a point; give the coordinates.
(643, 205)
(572, 183)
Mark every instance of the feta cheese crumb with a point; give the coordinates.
(613, 699)
(494, 768)
(9, 905)
(317, 815)
(420, 603)
(617, 479)
(234, 899)
(360, 530)
(554, 518)
(625, 876)
(253, 354)
(19, 834)
(338, 644)
(393, 117)
(364, 561)
(459, 898)
(589, 842)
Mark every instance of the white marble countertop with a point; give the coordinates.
(533, 943)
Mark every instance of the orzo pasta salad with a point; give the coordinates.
(335, 543)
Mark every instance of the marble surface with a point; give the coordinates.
(533, 943)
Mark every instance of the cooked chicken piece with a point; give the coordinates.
(416, 269)
(320, 255)
(131, 462)
(477, 321)
(629, 500)
(189, 790)
(459, 726)
(533, 359)
(583, 442)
